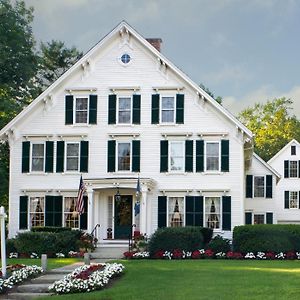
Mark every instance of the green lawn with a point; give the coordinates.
(52, 262)
(202, 279)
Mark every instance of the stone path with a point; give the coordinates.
(38, 286)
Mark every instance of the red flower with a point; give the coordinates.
(238, 255)
(196, 254)
(159, 254)
(128, 254)
(177, 253)
(290, 255)
(209, 253)
(84, 275)
(270, 255)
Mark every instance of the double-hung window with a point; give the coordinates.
(124, 156)
(168, 109)
(293, 168)
(259, 219)
(176, 211)
(212, 156)
(37, 211)
(124, 110)
(71, 216)
(37, 157)
(213, 212)
(81, 110)
(259, 186)
(176, 157)
(293, 199)
(72, 157)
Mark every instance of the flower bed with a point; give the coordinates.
(18, 273)
(208, 253)
(87, 278)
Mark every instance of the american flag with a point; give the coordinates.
(80, 201)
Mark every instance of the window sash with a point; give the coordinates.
(168, 108)
(37, 211)
(81, 110)
(212, 212)
(293, 168)
(176, 156)
(72, 159)
(124, 156)
(175, 219)
(212, 155)
(293, 199)
(124, 110)
(37, 157)
(71, 216)
(259, 219)
(259, 186)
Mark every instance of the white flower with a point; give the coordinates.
(60, 255)
(250, 255)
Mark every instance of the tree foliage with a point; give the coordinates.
(210, 93)
(273, 125)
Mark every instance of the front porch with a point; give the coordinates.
(115, 208)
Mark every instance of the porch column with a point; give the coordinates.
(143, 211)
(90, 216)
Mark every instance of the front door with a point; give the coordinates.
(123, 217)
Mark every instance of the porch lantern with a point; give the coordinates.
(118, 196)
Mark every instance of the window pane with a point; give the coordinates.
(175, 212)
(167, 109)
(212, 212)
(293, 168)
(124, 156)
(37, 211)
(212, 156)
(125, 110)
(176, 156)
(37, 162)
(124, 117)
(259, 219)
(124, 103)
(293, 199)
(167, 116)
(72, 164)
(259, 186)
(81, 116)
(81, 110)
(167, 103)
(72, 157)
(70, 214)
(72, 149)
(81, 103)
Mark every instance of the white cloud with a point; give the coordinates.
(262, 95)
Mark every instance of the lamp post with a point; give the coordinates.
(117, 195)
(3, 249)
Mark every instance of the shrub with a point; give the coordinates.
(10, 246)
(219, 244)
(50, 229)
(171, 238)
(266, 238)
(207, 234)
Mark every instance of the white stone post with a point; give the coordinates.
(3, 244)
(44, 262)
(90, 211)
(143, 211)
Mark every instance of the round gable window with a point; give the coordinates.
(125, 58)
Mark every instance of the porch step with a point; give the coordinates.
(114, 251)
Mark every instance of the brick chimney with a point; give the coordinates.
(155, 42)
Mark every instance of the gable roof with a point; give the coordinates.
(120, 28)
(266, 165)
(293, 141)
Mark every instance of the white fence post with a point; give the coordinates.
(3, 244)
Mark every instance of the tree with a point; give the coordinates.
(272, 124)
(55, 58)
(210, 93)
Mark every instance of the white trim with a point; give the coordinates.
(74, 110)
(205, 158)
(183, 207)
(44, 157)
(125, 88)
(168, 88)
(113, 135)
(80, 89)
(267, 165)
(253, 184)
(63, 213)
(161, 109)
(117, 157)
(169, 157)
(293, 141)
(223, 134)
(29, 211)
(221, 212)
(297, 202)
(174, 134)
(118, 109)
(66, 157)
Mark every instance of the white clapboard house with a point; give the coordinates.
(125, 111)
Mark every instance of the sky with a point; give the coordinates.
(245, 51)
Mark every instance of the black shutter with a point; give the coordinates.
(226, 214)
(112, 103)
(179, 109)
(111, 156)
(269, 217)
(93, 109)
(49, 157)
(194, 210)
(286, 199)
(298, 168)
(199, 156)
(84, 216)
(248, 218)
(249, 186)
(164, 146)
(162, 211)
(69, 110)
(225, 155)
(155, 109)
(286, 169)
(189, 156)
(84, 156)
(23, 213)
(136, 112)
(269, 186)
(60, 153)
(136, 152)
(53, 211)
(25, 156)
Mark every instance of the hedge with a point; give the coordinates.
(276, 238)
(50, 229)
(170, 238)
